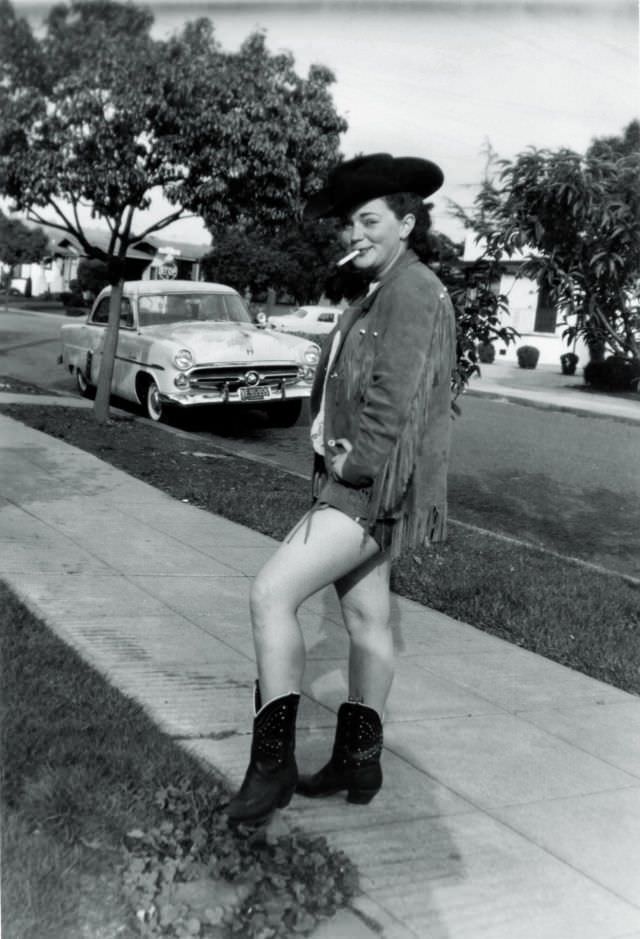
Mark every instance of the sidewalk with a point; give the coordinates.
(511, 807)
(546, 387)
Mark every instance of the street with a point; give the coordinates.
(567, 482)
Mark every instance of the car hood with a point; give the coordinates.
(237, 342)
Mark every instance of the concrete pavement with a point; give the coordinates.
(511, 806)
(546, 387)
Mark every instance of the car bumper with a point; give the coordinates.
(249, 396)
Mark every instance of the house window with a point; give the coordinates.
(545, 321)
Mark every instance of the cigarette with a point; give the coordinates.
(348, 257)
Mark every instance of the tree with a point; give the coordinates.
(98, 115)
(266, 140)
(293, 259)
(575, 219)
(20, 244)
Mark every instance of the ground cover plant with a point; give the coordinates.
(574, 615)
(109, 829)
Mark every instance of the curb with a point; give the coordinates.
(514, 397)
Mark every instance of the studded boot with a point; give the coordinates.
(271, 776)
(355, 760)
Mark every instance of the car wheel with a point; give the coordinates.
(285, 414)
(153, 404)
(85, 388)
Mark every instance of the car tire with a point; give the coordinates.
(285, 414)
(86, 389)
(152, 403)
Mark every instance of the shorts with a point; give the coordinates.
(351, 501)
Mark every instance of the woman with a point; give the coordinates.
(380, 430)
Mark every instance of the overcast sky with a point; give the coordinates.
(442, 79)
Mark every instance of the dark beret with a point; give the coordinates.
(369, 177)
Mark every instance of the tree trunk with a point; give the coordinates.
(105, 377)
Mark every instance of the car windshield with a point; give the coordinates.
(301, 313)
(164, 308)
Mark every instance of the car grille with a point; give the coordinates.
(234, 376)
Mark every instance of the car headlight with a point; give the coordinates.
(183, 359)
(312, 354)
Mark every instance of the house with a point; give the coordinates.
(152, 258)
(531, 314)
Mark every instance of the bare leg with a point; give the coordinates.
(364, 596)
(323, 548)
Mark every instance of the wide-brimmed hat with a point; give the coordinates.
(369, 177)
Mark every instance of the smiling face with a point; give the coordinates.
(376, 231)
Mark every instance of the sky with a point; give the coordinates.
(444, 79)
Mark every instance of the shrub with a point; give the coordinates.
(528, 356)
(72, 298)
(486, 352)
(568, 363)
(616, 373)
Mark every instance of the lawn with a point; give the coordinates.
(109, 829)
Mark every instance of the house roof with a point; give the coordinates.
(146, 249)
(181, 249)
(69, 246)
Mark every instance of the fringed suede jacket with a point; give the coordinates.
(388, 391)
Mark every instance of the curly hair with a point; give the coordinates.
(409, 203)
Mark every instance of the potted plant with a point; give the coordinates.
(568, 363)
(528, 356)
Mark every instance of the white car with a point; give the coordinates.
(184, 343)
(315, 320)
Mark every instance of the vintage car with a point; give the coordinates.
(183, 344)
(314, 320)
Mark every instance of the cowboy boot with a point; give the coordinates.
(355, 760)
(271, 776)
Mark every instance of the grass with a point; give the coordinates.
(564, 611)
(82, 769)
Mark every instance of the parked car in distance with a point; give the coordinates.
(184, 344)
(315, 320)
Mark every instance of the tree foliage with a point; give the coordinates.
(575, 220)
(293, 260)
(265, 138)
(98, 115)
(20, 244)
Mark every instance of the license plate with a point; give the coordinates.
(254, 394)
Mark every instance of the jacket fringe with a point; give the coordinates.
(410, 487)
(394, 493)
